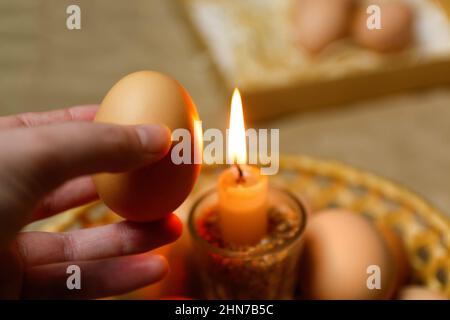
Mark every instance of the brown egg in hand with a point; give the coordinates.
(150, 192)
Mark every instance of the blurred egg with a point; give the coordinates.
(396, 33)
(317, 23)
(398, 252)
(419, 293)
(339, 248)
(149, 193)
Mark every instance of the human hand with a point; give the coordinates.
(45, 163)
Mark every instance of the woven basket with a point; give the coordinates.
(424, 230)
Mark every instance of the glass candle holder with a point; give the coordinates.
(267, 270)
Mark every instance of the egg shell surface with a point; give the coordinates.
(153, 191)
(339, 248)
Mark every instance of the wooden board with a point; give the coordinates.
(249, 44)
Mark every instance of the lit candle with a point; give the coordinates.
(243, 191)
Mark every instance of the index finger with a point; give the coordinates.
(32, 119)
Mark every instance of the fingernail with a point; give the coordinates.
(159, 266)
(154, 138)
(175, 226)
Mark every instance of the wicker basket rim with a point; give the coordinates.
(375, 180)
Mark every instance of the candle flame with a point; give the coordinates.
(237, 145)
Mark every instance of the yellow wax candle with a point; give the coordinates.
(243, 191)
(243, 205)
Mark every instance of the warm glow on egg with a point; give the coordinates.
(237, 148)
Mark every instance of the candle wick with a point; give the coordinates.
(240, 178)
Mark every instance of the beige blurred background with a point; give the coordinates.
(45, 66)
